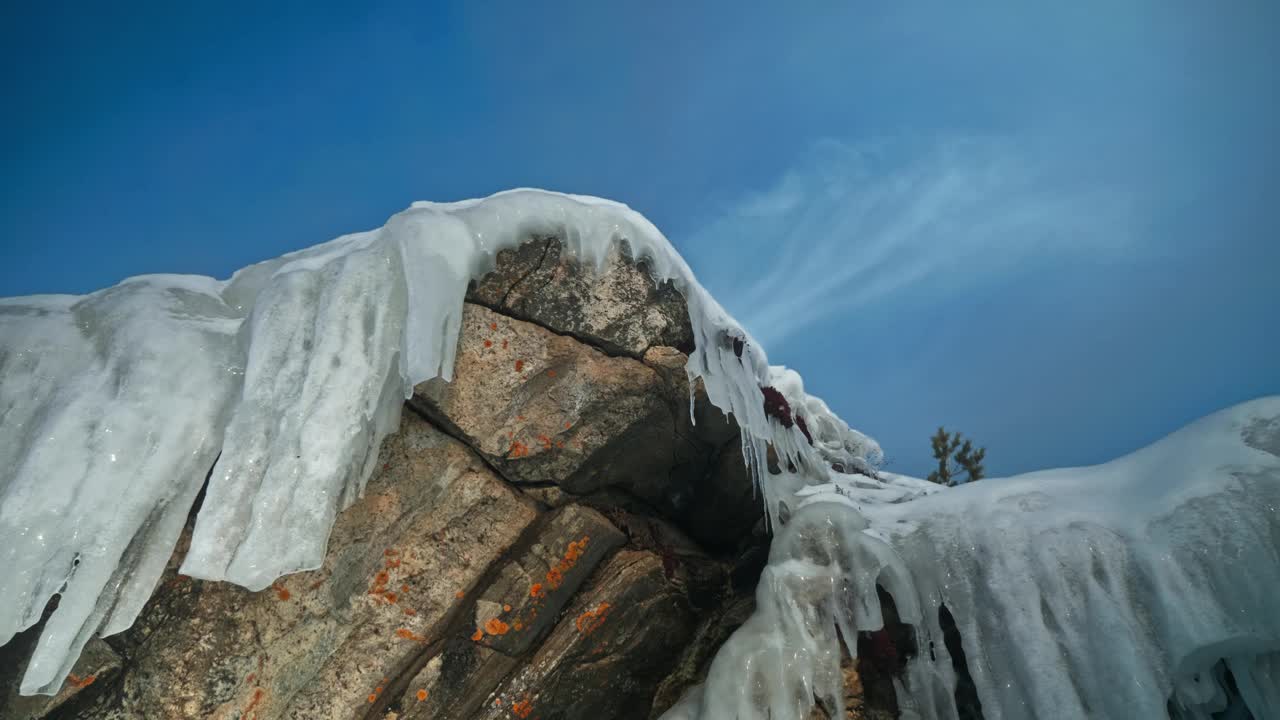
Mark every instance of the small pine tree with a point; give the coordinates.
(968, 461)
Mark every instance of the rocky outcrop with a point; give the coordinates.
(549, 535)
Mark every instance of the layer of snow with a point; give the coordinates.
(116, 404)
(1086, 592)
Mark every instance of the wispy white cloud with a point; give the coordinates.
(850, 227)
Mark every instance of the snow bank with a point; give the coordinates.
(1100, 592)
(116, 404)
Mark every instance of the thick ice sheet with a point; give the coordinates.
(113, 407)
(116, 404)
(1084, 592)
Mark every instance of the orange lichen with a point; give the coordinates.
(551, 373)
(518, 449)
(407, 634)
(249, 678)
(478, 636)
(493, 326)
(554, 578)
(496, 627)
(504, 344)
(506, 608)
(81, 682)
(459, 594)
(282, 592)
(536, 590)
(522, 708)
(591, 620)
(410, 612)
(546, 442)
(389, 552)
(519, 366)
(559, 444)
(488, 343)
(404, 588)
(520, 417)
(422, 695)
(567, 425)
(316, 585)
(381, 578)
(372, 698)
(392, 563)
(391, 597)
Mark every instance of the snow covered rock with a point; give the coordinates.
(1112, 591)
(397, 579)
(444, 544)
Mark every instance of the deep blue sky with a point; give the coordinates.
(1053, 226)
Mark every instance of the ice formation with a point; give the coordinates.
(1103, 591)
(1116, 591)
(116, 404)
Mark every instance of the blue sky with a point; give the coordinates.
(1055, 227)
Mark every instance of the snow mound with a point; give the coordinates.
(1122, 590)
(289, 374)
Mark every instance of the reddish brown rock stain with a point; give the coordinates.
(410, 612)
(253, 702)
(519, 366)
(488, 343)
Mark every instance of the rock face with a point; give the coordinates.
(619, 309)
(547, 536)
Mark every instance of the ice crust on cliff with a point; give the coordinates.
(289, 374)
(1105, 592)
(1091, 591)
